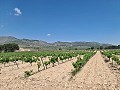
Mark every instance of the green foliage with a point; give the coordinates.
(112, 54)
(30, 57)
(10, 47)
(92, 48)
(109, 55)
(4, 60)
(74, 72)
(116, 59)
(53, 61)
(81, 62)
(46, 63)
(39, 65)
(28, 73)
(61, 58)
(1, 48)
(77, 64)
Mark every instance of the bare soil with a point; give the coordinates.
(95, 75)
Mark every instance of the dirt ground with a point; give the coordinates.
(95, 75)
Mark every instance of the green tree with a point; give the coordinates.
(101, 47)
(76, 49)
(10, 47)
(92, 48)
(1, 48)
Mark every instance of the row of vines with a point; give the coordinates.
(38, 57)
(81, 62)
(112, 55)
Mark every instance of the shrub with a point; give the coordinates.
(28, 73)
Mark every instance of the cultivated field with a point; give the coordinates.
(94, 74)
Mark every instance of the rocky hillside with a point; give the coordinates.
(22, 42)
(39, 43)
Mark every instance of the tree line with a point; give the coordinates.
(113, 47)
(11, 47)
(108, 47)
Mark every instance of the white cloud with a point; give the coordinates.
(17, 11)
(48, 34)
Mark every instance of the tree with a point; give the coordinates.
(1, 48)
(60, 49)
(10, 47)
(113, 47)
(101, 47)
(88, 48)
(76, 49)
(118, 46)
(92, 48)
(98, 48)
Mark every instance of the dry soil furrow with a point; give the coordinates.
(46, 80)
(96, 76)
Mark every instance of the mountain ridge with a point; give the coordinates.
(39, 43)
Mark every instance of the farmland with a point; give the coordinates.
(62, 70)
(59, 45)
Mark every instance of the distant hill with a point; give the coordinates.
(22, 42)
(80, 44)
(43, 44)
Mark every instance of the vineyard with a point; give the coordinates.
(62, 70)
(42, 59)
(113, 56)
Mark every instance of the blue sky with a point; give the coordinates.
(61, 20)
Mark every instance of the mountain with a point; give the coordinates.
(7, 39)
(43, 44)
(22, 42)
(80, 44)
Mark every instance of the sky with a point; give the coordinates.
(61, 20)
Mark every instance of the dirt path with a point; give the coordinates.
(44, 80)
(94, 76)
